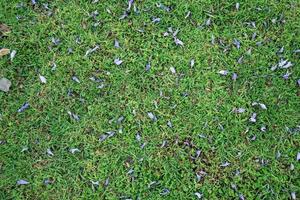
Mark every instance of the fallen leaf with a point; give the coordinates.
(4, 52)
(4, 84)
(4, 29)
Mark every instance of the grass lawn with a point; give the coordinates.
(169, 99)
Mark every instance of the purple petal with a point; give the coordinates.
(286, 76)
(253, 118)
(118, 62)
(237, 43)
(165, 191)
(234, 76)
(152, 116)
(117, 45)
(24, 107)
(155, 20)
(178, 42)
(102, 138)
(148, 66)
(130, 2)
(225, 164)
(74, 78)
(223, 72)
(22, 182)
(298, 156)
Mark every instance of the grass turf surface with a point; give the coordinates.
(149, 159)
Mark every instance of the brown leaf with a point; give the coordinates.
(4, 29)
(4, 52)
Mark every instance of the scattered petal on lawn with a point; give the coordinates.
(148, 66)
(261, 105)
(102, 138)
(55, 41)
(286, 75)
(240, 60)
(163, 7)
(4, 84)
(152, 116)
(297, 51)
(198, 195)
(106, 182)
(54, 66)
(73, 116)
(208, 22)
(234, 76)
(120, 119)
(225, 164)
(237, 43)
(298, 82)
(223, 72)
(192, 63)
(74, 150)
(48, 181)
(12, 55)
(33, 2)
(43, 79)
(263, 129)
(130, 2)
(22, 182)
(117, 44)
(253, 118)
(284, 64)
(143, 145)
(118, 62)
(138, 137)
(298, 156)
(49, 152)
(89, 51)
(169, 124)
(164, 143)
(172, 69)
(4, 52)
(281, 50)
(165, 192)
(155, 20)
(178, 42)
(241, 197)
(23, 107)
(239, 110)
(75, 78)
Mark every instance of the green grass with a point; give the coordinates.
(196, 100)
